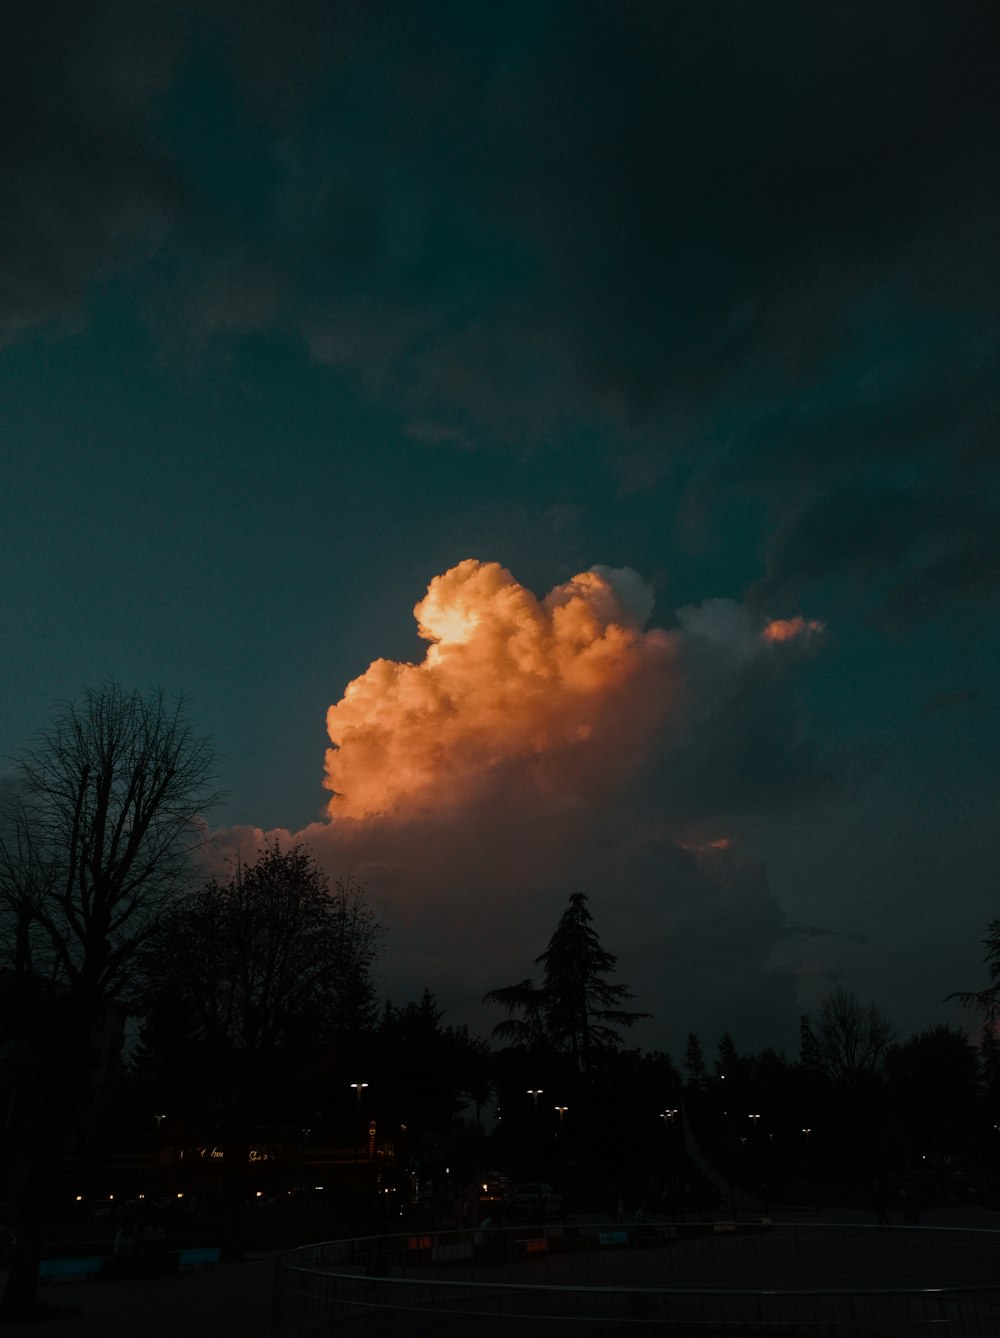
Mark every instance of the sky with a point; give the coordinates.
(552, 447)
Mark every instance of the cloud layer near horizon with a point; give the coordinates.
(545, 746)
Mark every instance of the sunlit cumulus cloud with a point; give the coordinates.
(549, 745)
(550, 683)
(736, 633)
(790, 629)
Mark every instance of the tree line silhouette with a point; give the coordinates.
(260, 1023)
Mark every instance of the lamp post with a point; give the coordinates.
(359, 1087)
(754, 1119)
(562, 1113)
(564, 1154)
(535, 1093)
(668, 1117)
(668, 1159)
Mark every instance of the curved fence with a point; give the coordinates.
(697, 1279)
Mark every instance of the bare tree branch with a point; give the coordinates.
(96, 843)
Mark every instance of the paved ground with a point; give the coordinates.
(234, 1300)
(231, 1301)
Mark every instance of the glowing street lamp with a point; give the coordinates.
(359, 1087)
(562, 1111)
(535, 1093)
(668, 1116)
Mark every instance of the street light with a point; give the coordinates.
(562, 1111)
(535, 1093)
(359, 1087)
(668, 1116)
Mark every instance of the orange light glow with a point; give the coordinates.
(507, 677)
(790, 629)
(701, 844)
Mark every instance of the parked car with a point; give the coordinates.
(523, 1200)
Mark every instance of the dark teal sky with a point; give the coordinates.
(301, 306)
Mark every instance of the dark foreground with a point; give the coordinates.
(232, 1299)
(235, 1299)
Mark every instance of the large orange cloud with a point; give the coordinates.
(507, 677)
(555, 745)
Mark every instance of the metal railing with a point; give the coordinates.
(826, 1281)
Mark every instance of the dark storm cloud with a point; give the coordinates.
(806, 932)
(945, 543)
(488, 215)
(970, 570)
(943, 700)
(652, 199)
(743, 246)
(714, 183)
(750, 753)
(84, 189)
(741, 745)
(734, 245)
(468, 906)
(914, 388)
